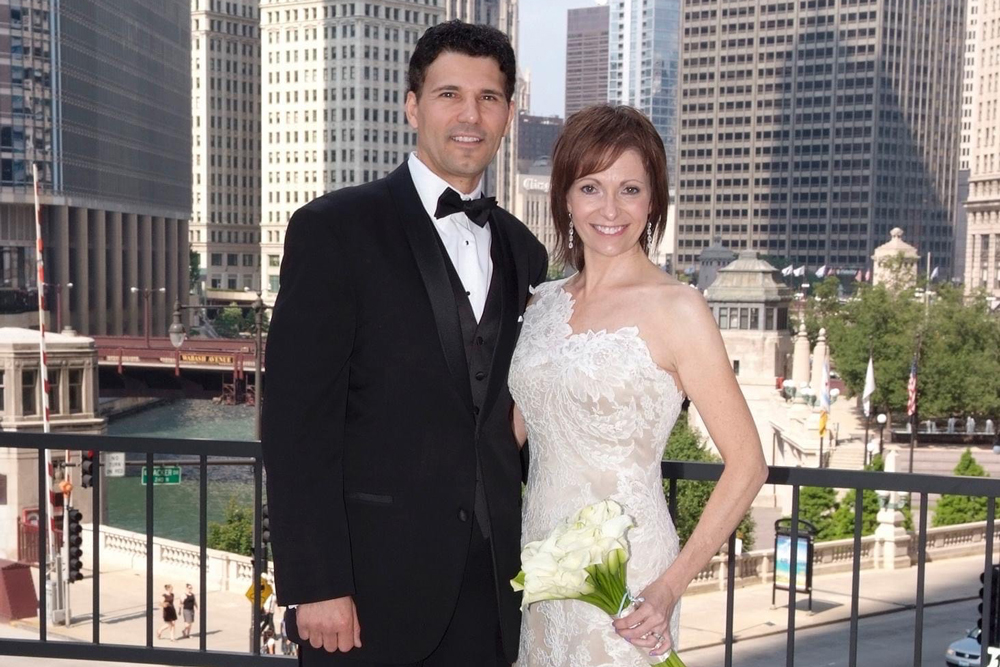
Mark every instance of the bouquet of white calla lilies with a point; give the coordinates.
(583, 558)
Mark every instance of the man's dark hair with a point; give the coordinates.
(478, 41)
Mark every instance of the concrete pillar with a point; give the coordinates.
(171, 228)
(145, 268)
(81, 272)
(133, 314)
(99, 265)
(819, 359)
(800, 358)
(59, 272)
(158, 304)
(116, 278)
(184, 259)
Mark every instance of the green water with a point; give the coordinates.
(175, 508)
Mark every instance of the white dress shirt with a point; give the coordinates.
(467, 243)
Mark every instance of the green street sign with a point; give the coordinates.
(163, 475)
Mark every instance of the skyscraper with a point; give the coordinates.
(643, 63)
(225, 99)
(334, 84)
(98, 96)
(973, 30)
(587, 31)
(982, 247)
(809, 130)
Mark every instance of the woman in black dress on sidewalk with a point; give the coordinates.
(169, 613)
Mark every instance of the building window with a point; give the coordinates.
(232, 259)
(54, 407)
(723, 318)
(231, 282)
(736, 367)
(75, 391)
(247, 260)
(216, 259)
(744, 318)
(782, 323)
(216, 282)
(273, 283)
(769, 319)
(29, 401)
(754, 319)
(274, 260)
(3, 393)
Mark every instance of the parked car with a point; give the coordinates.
(965, 652)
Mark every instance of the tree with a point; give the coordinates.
(235, 534)
(951, 509)
(194, 272)
(685, 444)
(817, 505)
(823, 307)
(960, 356)
(842, 520)
(229, 321)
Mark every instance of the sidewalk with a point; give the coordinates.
(703, 616)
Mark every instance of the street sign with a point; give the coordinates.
(265, 591)
(114, 464)
(163, 475)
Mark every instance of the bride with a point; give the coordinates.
(603, 364)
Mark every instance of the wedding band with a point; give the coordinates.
(639, 599)
(658, 636)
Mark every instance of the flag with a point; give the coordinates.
(799, 272)
(868, 275)
(866, 396)
(858, 276)
(821, 271)
(911, 389)
(934, 273)
(824, 399)
(787, 271)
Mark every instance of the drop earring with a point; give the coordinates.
(570, 244)
(649, 236)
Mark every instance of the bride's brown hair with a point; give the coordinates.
(590, 143)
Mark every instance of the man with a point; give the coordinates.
(392, 473)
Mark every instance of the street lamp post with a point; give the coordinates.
(146, 293)
(881, 419)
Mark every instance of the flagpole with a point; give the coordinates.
(914, 420)
(43, 370)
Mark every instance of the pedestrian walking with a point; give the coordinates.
(169, 612)
(188, 605)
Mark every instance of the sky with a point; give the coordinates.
(542, 50)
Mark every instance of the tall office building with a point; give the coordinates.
(587, 31)
(972, 33)
(98, 96)
(537, 135)
(982, 248)
(225, 109)
(334, 84)
(643, 63)
(501, 177)
(810, 130)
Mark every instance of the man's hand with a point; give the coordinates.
(330, 624)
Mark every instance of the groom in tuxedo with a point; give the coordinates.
(393, 478)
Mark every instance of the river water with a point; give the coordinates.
(175, 507)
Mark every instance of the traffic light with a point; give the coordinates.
(265, 528)
(87, 469)
(74, 539)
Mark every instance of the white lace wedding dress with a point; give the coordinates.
(598, 412)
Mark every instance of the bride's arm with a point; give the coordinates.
(689, 334)
(517, 425)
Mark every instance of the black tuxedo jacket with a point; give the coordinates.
(370, 434)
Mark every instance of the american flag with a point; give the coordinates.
(911, 389)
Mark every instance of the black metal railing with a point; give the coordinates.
(921, 485)
(97, 650)
(796, 478)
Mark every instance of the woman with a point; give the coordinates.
(169, 613)
(188, 605)
(604, 362)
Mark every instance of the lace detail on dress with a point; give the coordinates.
(598, 412)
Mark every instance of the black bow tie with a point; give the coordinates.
(478, 210)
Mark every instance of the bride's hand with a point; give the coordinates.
(649, 625)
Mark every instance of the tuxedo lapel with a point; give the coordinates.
(419, 232)
(504, 270)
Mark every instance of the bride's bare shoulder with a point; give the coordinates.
(676, 303)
